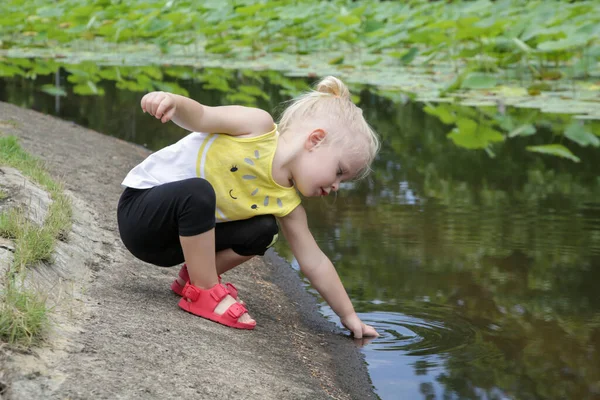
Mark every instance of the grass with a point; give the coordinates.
(32, 243)
(23, 312)
(23, 315)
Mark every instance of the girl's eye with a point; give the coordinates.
(340, 172)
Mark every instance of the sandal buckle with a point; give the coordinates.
(190, 292)
(218, 292)
(236, 310)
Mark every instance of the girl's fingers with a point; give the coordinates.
(144, 102)
(154, 103)
(164, 105)
(168, 115)
(151, 103)
(159, 105)
(153, 107)
(368, 330)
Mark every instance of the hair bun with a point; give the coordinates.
(333, 86)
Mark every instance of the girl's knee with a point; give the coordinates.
(264, 233)
(199, 190)
(198, 195)
(197, 208)
(266, 226)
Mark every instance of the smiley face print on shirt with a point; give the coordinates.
(255, 194)
(239, 169)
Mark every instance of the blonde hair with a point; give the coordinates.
(330, 101)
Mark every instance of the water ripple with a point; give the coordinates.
(429, 330)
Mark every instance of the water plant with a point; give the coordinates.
(545, 40)
(538, 54)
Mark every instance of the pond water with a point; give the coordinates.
(482, 274)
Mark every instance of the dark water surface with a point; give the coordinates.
(482, 274)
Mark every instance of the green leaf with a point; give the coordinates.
(253, 91)
(523, 130)
(44, 67)
(53, 90)
(8, 71)
(91, 22)
(130, 86)
(112, 74)
(580, 135)
(92, 87)
(569, 43)
(88, 88)
(158, 25)
(372, 62)
(336, 60)
(22, 62)
(250, 10)
(505, 122)
(219, 48)
(373, 26)
(478, 80)
(490, 152)
(359, 10)
(349, 19)
(76, 12)
(242, 98)
(50, 11)
(522, 45)
(469, 135)
(443, 113)
(409, 55)
(172, 88)
(555, 150)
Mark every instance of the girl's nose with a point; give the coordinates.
(335, 187)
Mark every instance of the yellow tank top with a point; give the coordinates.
(239, 169)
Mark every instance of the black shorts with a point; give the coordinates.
(151, 221)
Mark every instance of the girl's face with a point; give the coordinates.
(321, 168)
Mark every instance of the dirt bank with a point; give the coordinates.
(120, 333)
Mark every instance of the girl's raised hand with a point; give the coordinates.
(161, 105)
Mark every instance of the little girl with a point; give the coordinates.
(211, 200)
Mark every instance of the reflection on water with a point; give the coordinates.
(480, 273)
(424, 342)
(487, 269)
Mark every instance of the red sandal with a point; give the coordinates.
(202, 302)
(183, 274)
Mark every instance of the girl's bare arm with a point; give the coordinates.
(196, 117)
(320, 271)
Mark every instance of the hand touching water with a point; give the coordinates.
(160, 105)
(357, 327)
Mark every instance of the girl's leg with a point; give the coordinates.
(228, 259)
(199, 253)
(239, 241)
(224, 260)
(172, 223)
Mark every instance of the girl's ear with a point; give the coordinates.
(315, 138)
